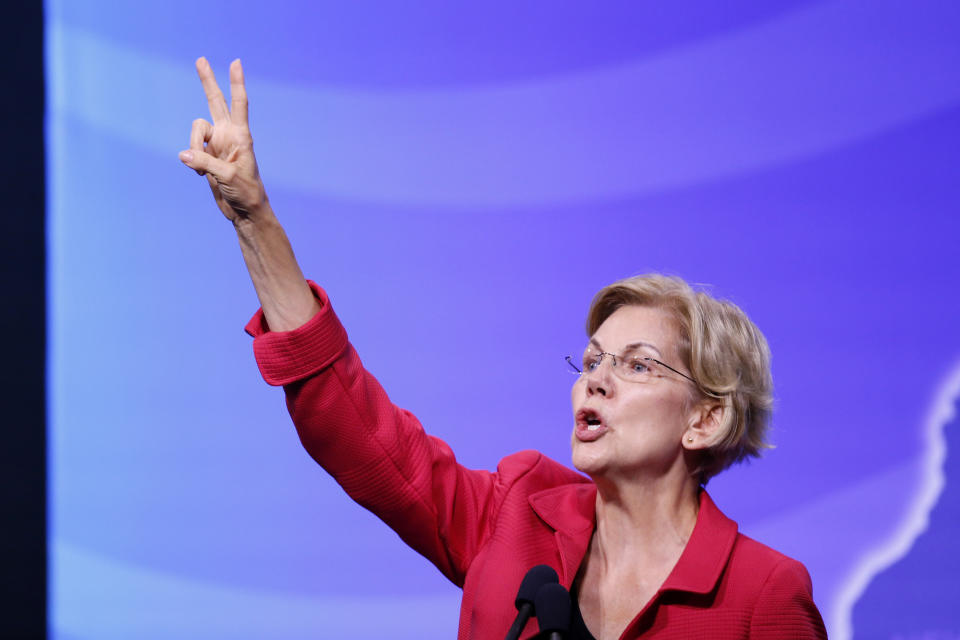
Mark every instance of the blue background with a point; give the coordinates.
(462, 178)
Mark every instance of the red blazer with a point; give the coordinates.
(484, 529)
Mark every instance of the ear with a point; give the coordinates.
(708, 423)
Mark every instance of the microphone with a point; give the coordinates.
(552, 604)
(536, 578)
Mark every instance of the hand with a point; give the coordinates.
(223, 151)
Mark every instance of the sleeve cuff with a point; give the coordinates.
(288, 356)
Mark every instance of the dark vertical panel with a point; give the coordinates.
(22, 326)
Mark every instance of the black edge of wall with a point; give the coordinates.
(23, 585)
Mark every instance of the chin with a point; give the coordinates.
(586, 463)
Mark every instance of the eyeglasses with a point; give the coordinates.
(630, 367)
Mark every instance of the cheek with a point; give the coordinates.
(666, 410)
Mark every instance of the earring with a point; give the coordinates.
(689, 438)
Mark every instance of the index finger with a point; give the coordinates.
(238, 94)
(218, 106)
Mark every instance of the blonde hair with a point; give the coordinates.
(724, 351)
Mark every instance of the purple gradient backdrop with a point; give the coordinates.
(462, 180)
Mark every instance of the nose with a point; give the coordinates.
(599, 380)
(595, 387)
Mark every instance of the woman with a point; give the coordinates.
(673, 387)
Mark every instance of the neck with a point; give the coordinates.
(645, 517)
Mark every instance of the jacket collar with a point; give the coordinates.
(571, 511)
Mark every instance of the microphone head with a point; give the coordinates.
(552, 604)
(535, 578)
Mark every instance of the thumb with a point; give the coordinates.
(203, 162)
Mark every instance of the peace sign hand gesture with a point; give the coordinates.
(223, 151)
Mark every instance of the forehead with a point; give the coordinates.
(634, 324)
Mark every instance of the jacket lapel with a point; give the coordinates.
(706, 554)
(570, 510)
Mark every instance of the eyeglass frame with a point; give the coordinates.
(614, 356)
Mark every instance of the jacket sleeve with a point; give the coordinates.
(376, 451)
(785, 609)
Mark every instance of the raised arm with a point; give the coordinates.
(223, 152)
(377, 451)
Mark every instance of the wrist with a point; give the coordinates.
(257, 220)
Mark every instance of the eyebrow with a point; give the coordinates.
(632, 345)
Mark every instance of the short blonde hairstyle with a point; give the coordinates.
(724, 351)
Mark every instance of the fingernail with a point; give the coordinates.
(186, 156)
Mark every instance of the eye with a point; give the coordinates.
(637, 366)
(590, 362)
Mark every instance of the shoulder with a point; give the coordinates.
(779, 588)
(536, 470)
(762, 563)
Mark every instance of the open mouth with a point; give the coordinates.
(589, 420)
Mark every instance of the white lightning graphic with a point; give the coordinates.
(917, 517)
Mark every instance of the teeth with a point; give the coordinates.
(593, 427)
